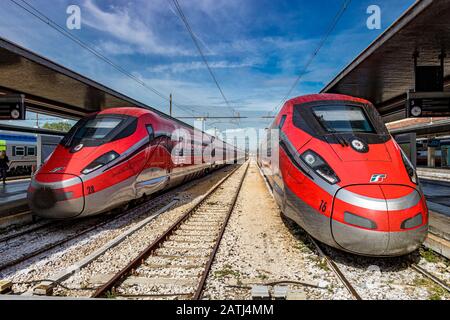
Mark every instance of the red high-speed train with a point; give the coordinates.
(344, 179)
(117, 155)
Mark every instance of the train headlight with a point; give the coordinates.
(316, 163)
(409, 168)
(100, 162)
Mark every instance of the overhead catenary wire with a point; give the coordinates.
(26, 6)
(324, 39)
(199, 48)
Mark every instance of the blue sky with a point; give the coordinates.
(256, 48)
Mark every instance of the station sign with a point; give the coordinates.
(428, 104)
(2, 145)
(12, 107)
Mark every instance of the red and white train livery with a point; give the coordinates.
(118, 155)
(344, 179)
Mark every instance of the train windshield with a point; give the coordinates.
(97, 130)
(343, 119)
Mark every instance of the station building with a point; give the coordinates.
(410, 59)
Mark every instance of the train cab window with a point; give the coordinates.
(150, 131)
(31, 151)
(18, 151)
(100, 129)
(343, 119)
(282, 121)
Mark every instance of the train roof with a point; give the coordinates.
(324, 97)
(129, 111)
(137, 112)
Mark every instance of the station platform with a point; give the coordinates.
(13, 200)
(437, 194)
(438, 238)
(435, 174)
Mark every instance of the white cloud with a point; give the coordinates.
(129, 29)
(179, 67)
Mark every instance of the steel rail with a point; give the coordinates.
(103, 221)
(59, 242)
(329, 261)
(200, 288)
(32, 229)
(336, 270)
(428, 275)
(120, 276)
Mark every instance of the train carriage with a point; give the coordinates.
(21, 151)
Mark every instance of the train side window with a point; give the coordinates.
(151, 132)
(18, 151)
(282, 121)
(31, 151)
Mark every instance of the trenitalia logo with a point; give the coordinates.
(378, 178)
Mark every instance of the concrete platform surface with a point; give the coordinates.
(439, 234)
(438, 195)
(13, 203)
(434, 174)
(440, 225)
(13, 190)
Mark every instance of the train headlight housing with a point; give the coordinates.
(409, 168)
(316, 163)
(100, 162)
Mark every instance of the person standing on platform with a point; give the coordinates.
(4, 165)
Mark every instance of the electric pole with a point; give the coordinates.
(170, 104)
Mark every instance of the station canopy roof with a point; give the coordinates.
(384, 72)
(52, 88)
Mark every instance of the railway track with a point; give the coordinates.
(98, 223)
(348, 284)
(431, 277)
(339, 274)
(63, 226)
(26, 229)
(177, 264)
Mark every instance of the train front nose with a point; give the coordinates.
(379, 220)
(56, 196)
